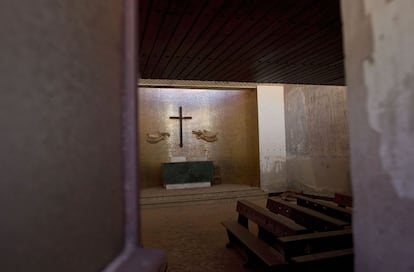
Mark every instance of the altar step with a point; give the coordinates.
(157, 197)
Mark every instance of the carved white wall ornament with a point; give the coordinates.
(156, 137)
(205, 135)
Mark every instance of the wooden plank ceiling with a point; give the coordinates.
(278, 41)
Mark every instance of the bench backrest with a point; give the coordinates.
(273, 223)
(305, 216)
(328, 208)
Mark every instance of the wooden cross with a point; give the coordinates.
(181, 118)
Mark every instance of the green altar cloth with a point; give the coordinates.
(189, 174)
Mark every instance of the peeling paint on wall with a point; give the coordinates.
(297, 133)
(389, 78)
(317, 138)
(272, 164)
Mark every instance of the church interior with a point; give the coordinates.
(206, 135)
(278, 124)
(277, 84)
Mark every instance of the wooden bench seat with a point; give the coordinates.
(307, 217)
(343, 200)
(296, 245)
(275, 224)
(330, 209)
(285, 245)
(256, 248)
(336, 260)
(323, 255)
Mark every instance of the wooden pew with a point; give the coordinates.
(304, 216)
(311, 243)
(325, 207)
(275, 224)
(336, 260)
(343, 200)
(257, 251)
(270, 226)
(286, 245)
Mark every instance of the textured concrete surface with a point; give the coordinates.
(319, 174)
(61, 194)
(380, 67)
(193, 237)
(317, 139)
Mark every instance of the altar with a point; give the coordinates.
(188, 174)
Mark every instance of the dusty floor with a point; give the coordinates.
(192, 236)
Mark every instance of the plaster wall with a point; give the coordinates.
(272, 141)
(317, 139)
(379, 39)
(61, 195)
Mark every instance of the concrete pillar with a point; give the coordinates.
(272, 139)
(379, 42)
(61, 190)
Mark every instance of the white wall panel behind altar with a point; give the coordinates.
(272, 138)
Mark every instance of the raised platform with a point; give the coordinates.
(158, 196)
(188, 185)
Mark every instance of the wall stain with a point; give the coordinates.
(317, 138)
(390, 102)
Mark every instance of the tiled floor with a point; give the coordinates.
(193, 236)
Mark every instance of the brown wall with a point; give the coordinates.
(61, 198)
(317, 138)
(231, 113)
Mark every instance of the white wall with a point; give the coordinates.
(379, 42)
(272, 140)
